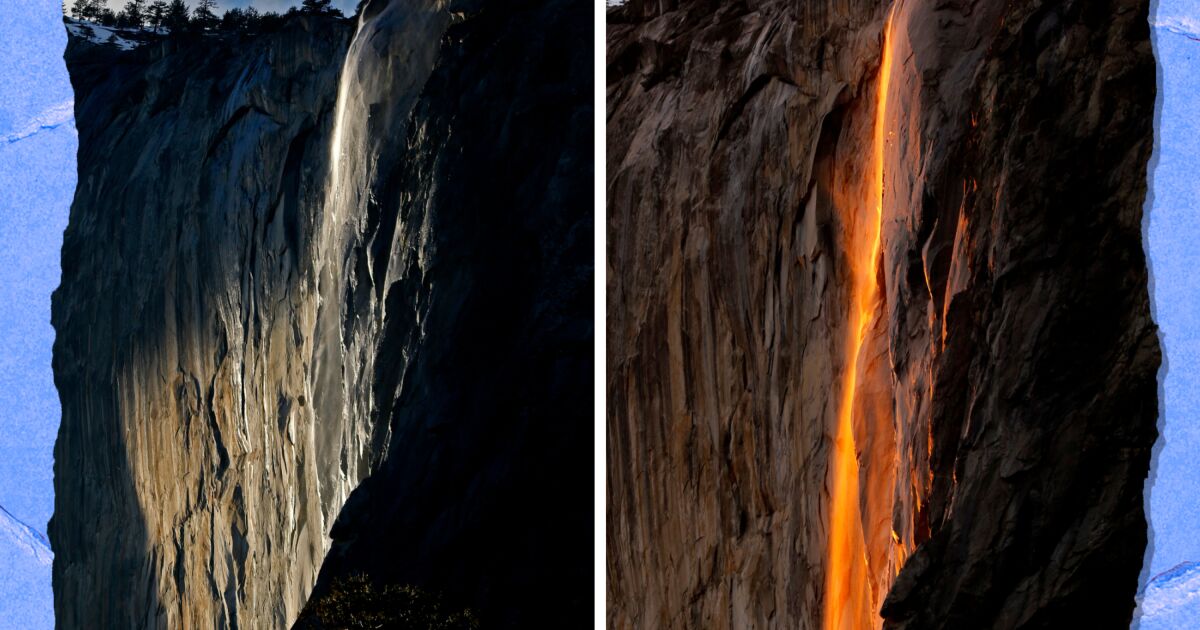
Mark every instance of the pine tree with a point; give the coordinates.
(156, 14)
(177, 16)
(88, 9)
(234, 20)
(269, 21)
(204, 15)
(316, 6)
(135, 13)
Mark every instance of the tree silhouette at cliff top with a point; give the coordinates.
(156, 14)
(134, 13)
(204, 15)
(87, 9)
(236, 19)
(319, 7)
(177, 16)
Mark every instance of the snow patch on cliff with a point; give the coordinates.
(97, 34)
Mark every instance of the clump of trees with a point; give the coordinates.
(204, 16)
(92, 10)
(318, 6)
(358, 602)
(175, 15)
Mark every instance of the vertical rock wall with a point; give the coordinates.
(1024, 349)
(188, 483)
(1006, 401)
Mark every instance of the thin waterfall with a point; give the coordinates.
(387, 63)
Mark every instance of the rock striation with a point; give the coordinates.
(344, 251)
(1006, 399)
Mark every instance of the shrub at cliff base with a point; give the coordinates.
(356, 602)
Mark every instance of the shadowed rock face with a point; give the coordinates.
(484, 494)
(335, 253)
(1006, 399)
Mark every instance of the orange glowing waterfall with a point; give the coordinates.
(848, 597)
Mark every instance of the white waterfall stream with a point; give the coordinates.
(386, 67)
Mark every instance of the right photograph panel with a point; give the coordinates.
(880, 345)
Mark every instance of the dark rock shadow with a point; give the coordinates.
(484, 368)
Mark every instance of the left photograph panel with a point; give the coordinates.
(299, 314)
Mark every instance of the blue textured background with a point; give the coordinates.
(1173, 238)
(1172, 582)
(37, 181)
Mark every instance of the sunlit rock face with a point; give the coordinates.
(189, 486)
(1004, 397)
(295, 262)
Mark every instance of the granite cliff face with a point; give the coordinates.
(1000, 387)
(292, 265)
